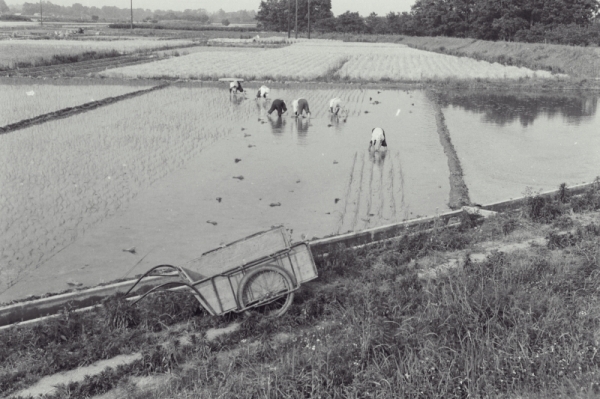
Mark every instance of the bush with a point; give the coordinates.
(11, 17)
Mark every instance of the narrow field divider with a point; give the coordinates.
(70, 111)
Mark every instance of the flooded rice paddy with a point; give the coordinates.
(180, 171)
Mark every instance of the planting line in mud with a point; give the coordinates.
(66, 112)
(459, 193)
(375, 192)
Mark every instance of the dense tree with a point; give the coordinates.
(376, 24)
(276, 14)
(3, 7)
(350, 22)
(498, 19)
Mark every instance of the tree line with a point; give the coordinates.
(111, 13)
(563, 21)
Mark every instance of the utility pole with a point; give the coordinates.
(41, 14)
(289, 13)
(296, 28)
(131, 5)
(309, 19)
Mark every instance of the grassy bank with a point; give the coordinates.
(580, 62)
(520, 323)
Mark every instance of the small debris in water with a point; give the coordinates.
(251, 145)
(297, 181)
(371, 214)
(370, 98)
(237, 160)
(247, 135)
(376, 102)
(130, 250)
(398, 113)
(239, 177)
(74, 283)
(413, 104)
(366, 112)
(211, 222)
(329, 125)
(337, 200)
(378, 92)
(243, 129)
(335, 162)
(219, 199)
(275, 204)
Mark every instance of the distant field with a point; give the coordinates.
(9, 24)
(327, 59)
(14, 51)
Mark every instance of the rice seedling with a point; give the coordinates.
(327, 60)
(62, 177)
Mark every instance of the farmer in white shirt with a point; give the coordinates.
(335, 105)
(300, 105)
(377, 139)
(262, 92)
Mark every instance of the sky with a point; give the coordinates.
(364, 8)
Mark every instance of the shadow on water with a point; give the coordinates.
(503, 109)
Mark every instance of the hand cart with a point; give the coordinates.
(262, 270)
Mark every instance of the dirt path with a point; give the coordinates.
(459, 193)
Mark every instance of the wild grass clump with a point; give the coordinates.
(548, 209)
(78, 339)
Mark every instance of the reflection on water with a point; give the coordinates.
(277, 124)
(503, 109)
(510, 142)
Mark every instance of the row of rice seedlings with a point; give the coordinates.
(414, 65)
(20, 102)
(63, 177)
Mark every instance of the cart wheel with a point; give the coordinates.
(268, 288)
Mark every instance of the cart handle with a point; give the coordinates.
(147, 273)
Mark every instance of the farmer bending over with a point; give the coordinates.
(262, 92)
(335, 105)
(235, 86)
(377, 139)
(278, 105)
(299, 106)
